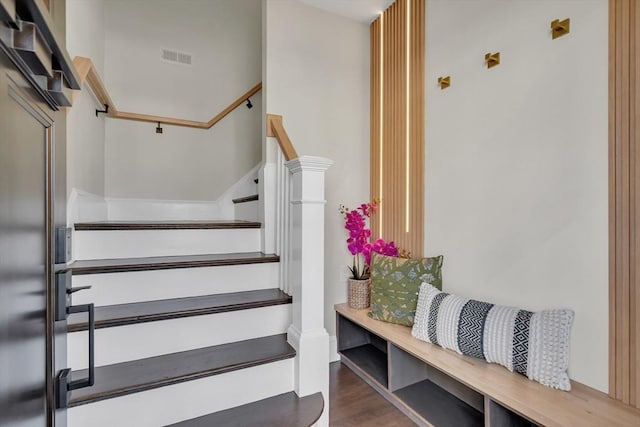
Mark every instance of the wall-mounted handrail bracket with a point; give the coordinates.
(105, 111)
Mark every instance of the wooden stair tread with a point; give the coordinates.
(145, 374)
(168, 262)
(165, 225)
(284, 410)
(148, 311)
(246, 199)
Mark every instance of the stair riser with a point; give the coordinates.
(131, 342)
(187, 400)
(247, 211)
(149, 243)
(137, 286)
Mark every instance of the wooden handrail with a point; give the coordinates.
(88, 73)
(275, 128)
(188, 123)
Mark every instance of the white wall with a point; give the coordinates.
(85, 132)
(317, 77)
(181, 164)
(516, 161)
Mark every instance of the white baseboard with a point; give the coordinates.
(333, 349)
(84, 207)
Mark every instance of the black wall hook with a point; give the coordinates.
(105, 111)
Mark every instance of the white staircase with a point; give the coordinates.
(196, 326)
(187, 331)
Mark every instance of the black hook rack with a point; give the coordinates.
(105, 111)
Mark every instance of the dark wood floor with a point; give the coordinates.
(354, 403)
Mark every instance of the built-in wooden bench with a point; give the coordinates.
(439, 387)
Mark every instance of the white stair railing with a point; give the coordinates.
(293, 219)
(283, 223)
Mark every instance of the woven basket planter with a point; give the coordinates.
(359, 293)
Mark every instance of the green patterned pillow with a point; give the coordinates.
(395, 285)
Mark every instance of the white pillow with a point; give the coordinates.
(533, 344)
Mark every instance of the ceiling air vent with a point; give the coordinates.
(184, 58)
(176, 57)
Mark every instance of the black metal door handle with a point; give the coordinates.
(64, 384)
(78, 288)
(89, 380)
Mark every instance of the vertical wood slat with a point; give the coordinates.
(390, 125)
(390, 202)
(624, 202)
(401, 94)
(388, 109)
(375, 119)
(621, 311)
(613, 294)
(635, 191)
(633, 360)
(394, 189)
(417, 75)
(387, 106)
(420, 121)
(392, 216)
(398, 121)
(624, 223)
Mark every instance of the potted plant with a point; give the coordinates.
(360, 245)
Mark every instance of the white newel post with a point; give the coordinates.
(307, 333)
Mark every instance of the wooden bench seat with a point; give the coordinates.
(497, 397)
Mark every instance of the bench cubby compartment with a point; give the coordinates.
(499, 416)
(363, 349)
(431, 394)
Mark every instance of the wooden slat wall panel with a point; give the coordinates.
(390, 71)
(624, 202)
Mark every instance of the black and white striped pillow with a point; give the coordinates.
(533, 344)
